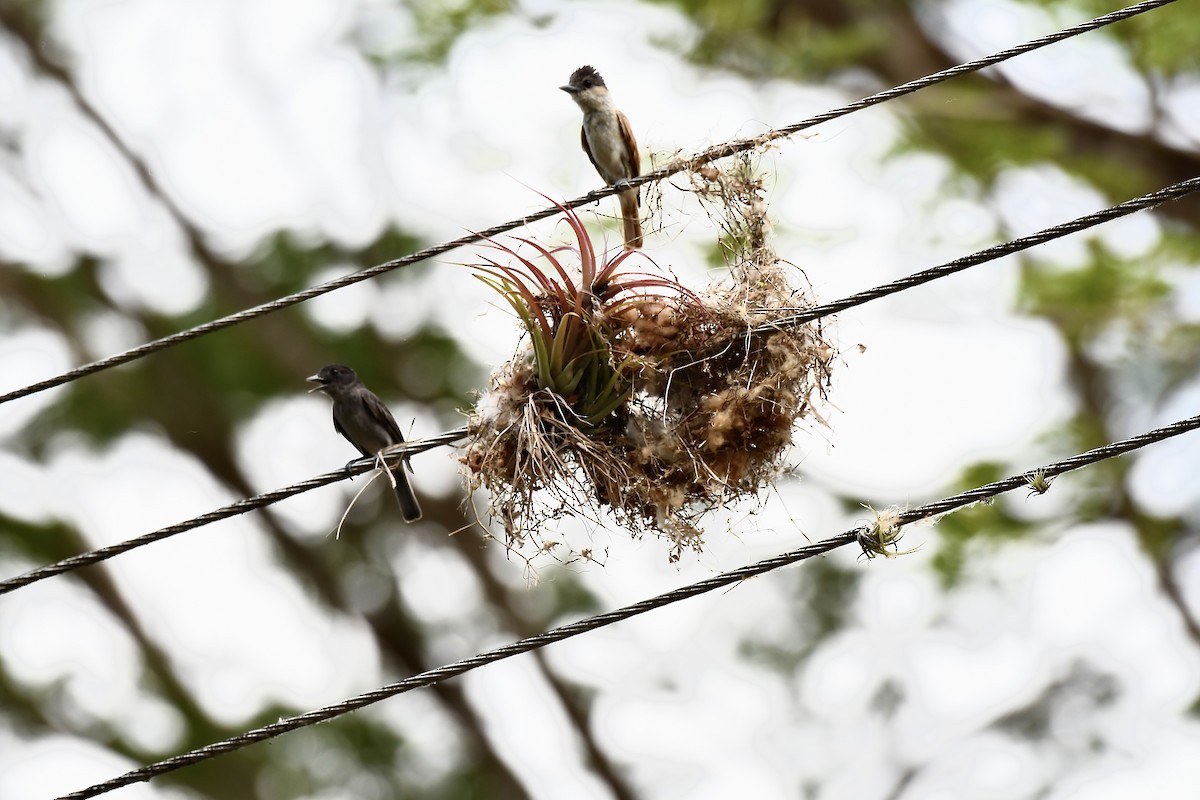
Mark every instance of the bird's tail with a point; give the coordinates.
(633, 223)
(405, 496)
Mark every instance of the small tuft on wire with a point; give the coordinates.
(1037, 482)
(879, 537)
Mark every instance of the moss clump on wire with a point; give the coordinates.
(636, 395)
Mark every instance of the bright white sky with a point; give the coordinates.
(258, 117)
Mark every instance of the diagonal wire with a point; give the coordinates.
(356, 467)
(363, 465)
(872, 541)
(738, 145)
(710, 154)
(1151, 200)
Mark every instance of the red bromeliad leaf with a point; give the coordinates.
(549, 256)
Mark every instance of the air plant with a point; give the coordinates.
(570, 321)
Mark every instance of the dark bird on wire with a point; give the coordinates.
(362, 418)
(608, 141)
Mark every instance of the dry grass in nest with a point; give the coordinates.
(707, 408)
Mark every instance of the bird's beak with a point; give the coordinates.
(317, 380)
(569, 89)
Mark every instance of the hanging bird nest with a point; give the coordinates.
(635, 395)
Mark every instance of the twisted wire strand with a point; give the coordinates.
(710, 154)
(1156, 198)
(738, 145)
(1051, 470)
(872, 541)
(393, 456)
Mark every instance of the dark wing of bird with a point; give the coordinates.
(379, 412)
(588, 150)
(634, 162)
